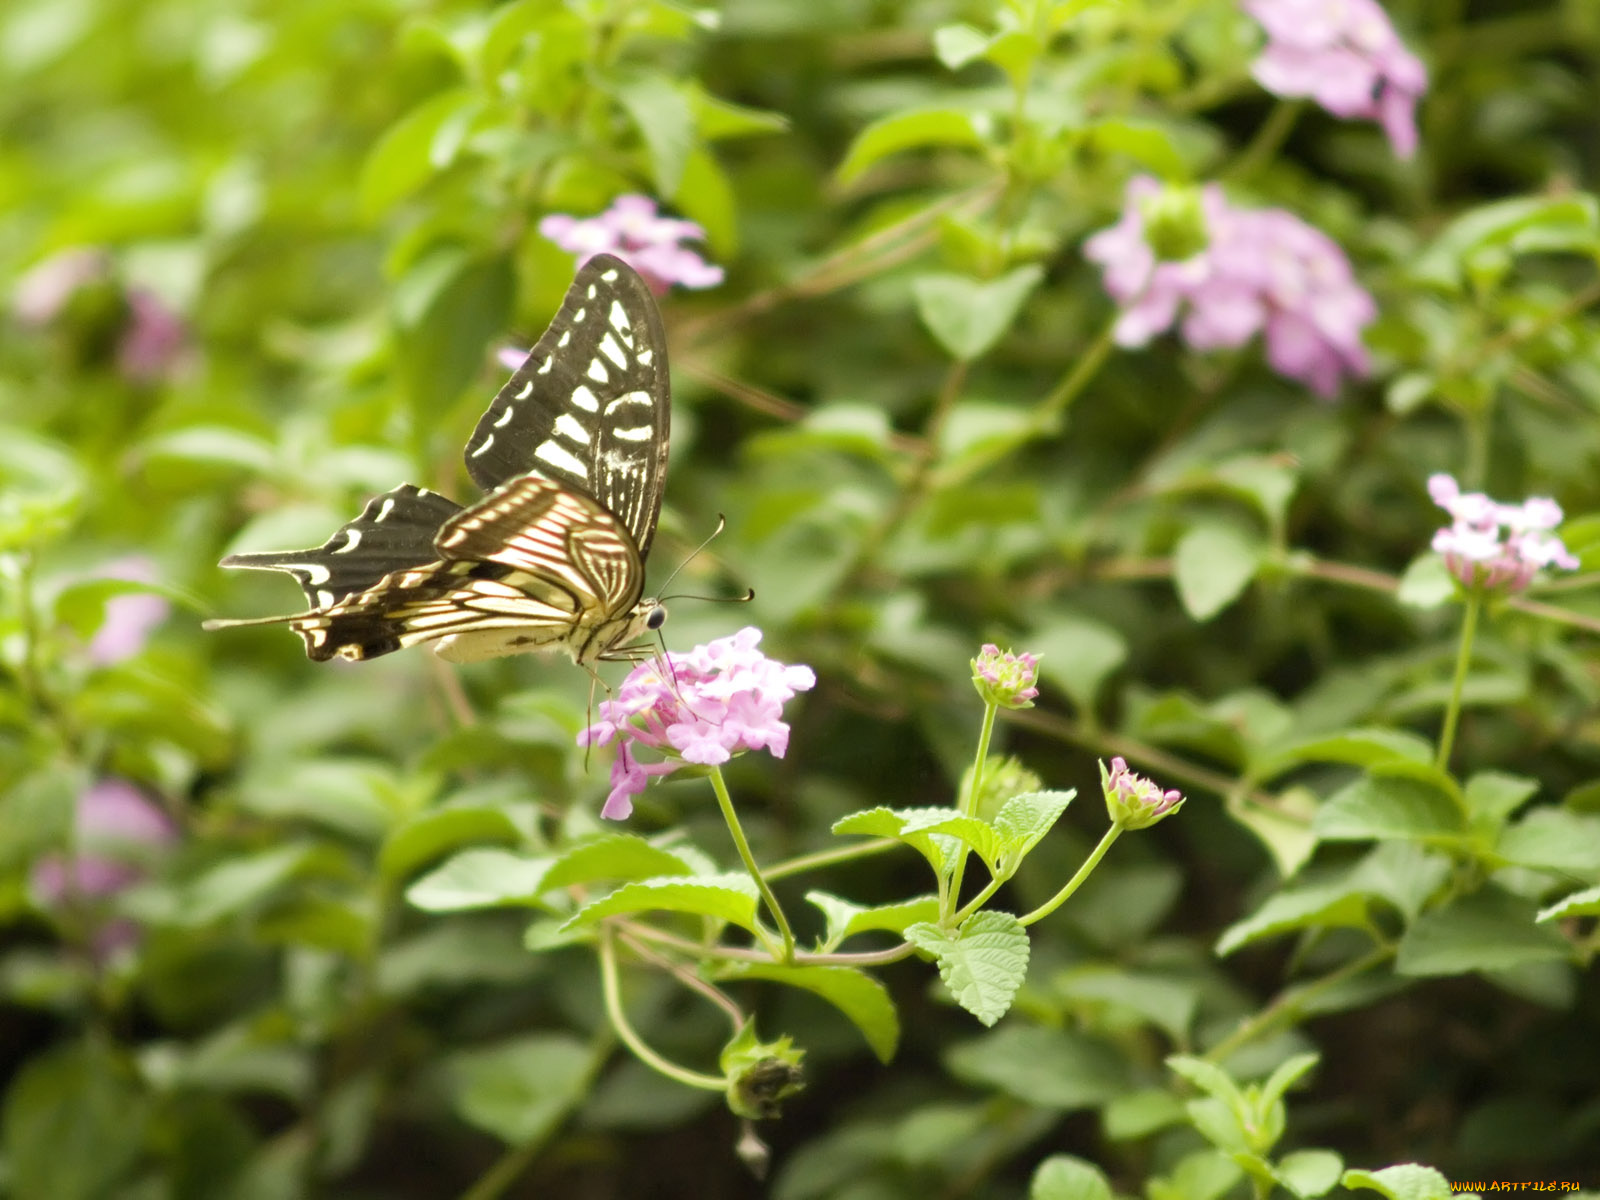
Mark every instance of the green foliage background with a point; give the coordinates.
(905, 402)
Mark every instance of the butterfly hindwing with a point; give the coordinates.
(590, 406)
(395, 530)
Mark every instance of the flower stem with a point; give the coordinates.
(630, 1036)
(739, 840)
(951, 896)
(826, 858)
(1073, 884)
(1452, 713)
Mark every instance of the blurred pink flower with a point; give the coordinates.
(117, 833)
(701, 707)
(1494, 546)
(129, 619)
(1263, 271)
(1345, 55)
(635, 232)
(149, 336)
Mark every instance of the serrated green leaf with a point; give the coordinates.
(890, 823)
(730, 897)
(853, 992)
(1212, 566)
(907, 131)
(614, 856)
(968, 316)
(983, 965)
(1024, 820)
(481, 878)
(973, 832)
(845, 919)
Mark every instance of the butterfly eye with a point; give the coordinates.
(657, 618)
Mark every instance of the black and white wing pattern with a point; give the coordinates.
(590, 406)
(572, 452)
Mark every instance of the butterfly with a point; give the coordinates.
(572, 453)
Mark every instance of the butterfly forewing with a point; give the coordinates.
(589, 407)
(572, 452)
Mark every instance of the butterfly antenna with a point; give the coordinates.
(722, 523)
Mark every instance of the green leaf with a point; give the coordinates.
(519, 1090)
(973, 832)
(1211, 567)
(1309, 1173)
(906, 131)
(73, 1126)
(705, 196)
(1148, 143)
(1063, 1177)
(853, 992)
(665, 120)
(1408, 1181)
(1138, 1114)
(431, 835)
(1552, 839)
(717, 119)
(967, 316)
(1355, 747)
(1426, 583)
(1389, 806)
(1490, 930)
(730, 897)
(1492, 796)
(983, 965)
(1049, 1068)
(845, 919)
(891, 823)
(405, 156)
(1579, 904)
(231, 887)
(957, 45)
(613, 856)
(1023, 820)
(481, 878)
(1080, 653)
(450, 308)
(1327, 905)
(210, 446)
(1167, 1002)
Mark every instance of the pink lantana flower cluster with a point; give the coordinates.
(636, 233)
(1494, 546)
(1262, 271)
(1345, 55)
(701, 707)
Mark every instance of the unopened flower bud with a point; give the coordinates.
(1004, 678)
(1134, 802)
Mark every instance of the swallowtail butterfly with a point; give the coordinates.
(572, 453)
